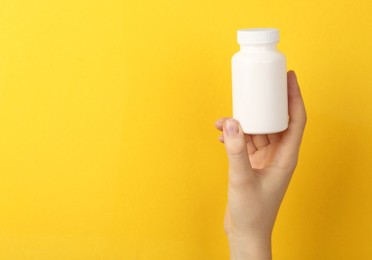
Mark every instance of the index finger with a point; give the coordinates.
(297, 115)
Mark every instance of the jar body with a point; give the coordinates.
(259, 84)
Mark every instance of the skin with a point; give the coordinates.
(260, 169)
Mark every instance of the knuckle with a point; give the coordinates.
(235, 150)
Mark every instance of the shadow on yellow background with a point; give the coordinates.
(107, 144)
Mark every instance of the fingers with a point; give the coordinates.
(274, 138)
(240, 169)
(248, 138)
(297, 113)
(250, 145)
(260, 141)
(219, 123)
(291, 140)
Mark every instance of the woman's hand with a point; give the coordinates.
(260, 169)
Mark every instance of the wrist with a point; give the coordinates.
(255, 248)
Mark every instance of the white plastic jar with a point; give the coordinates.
(259, 82)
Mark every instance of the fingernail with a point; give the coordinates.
(231, 127)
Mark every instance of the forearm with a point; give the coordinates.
(250, 249)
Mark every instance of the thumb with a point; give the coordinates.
(240, 169)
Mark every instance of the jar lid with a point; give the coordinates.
(258, 35)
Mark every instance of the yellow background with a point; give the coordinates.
(107, 144)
